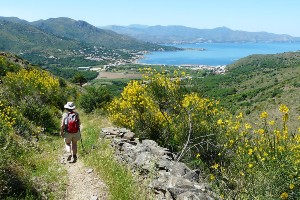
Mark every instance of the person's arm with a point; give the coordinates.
(62, 125)
(79, 122)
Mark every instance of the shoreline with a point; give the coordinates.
(178, 65)
(220, 69)
(137, 60)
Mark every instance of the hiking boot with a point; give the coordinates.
(74, 158)
(69, 157)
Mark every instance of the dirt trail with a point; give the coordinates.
(83, 183)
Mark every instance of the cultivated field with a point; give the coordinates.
(117, 75)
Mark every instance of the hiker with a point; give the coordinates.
(70, 130)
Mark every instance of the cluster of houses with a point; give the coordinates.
(111, 56)
(114, 59)
(219, 69)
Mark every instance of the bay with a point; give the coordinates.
(215, 54)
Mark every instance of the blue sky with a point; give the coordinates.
(275, 16)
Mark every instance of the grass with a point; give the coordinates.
(32, 169)
(48, 168)
(100, 155)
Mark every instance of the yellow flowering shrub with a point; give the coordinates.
(160, 108)
(199, 123)
(136, 110)
(30, 82)
(268, 156)
(7, 116)
(36, 95)
(147, 106)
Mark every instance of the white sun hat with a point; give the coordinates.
(70, 105)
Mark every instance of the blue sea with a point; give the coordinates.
(215, 53)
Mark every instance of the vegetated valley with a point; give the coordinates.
(63, 44)
(239, 128)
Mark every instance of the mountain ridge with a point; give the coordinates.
(183, 34)
(83, 31)
(68, 42)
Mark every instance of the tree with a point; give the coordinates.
(79, 79)
(94, 98)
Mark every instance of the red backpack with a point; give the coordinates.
(72, 122)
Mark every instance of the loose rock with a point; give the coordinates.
(172, 179)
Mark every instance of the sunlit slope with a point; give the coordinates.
(257, 83)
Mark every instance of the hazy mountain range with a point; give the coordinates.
(182, 34)
(87, 33)
(66, 29)
(68, 42)
(49, 41)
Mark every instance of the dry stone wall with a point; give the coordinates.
(170, 180)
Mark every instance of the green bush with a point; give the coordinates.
(94, 98)
(79, 79)
(71, 73)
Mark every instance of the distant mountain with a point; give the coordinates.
(14, 19)
(182, 34)
(22, 37)
(39, 47)
(67, 42)
(85, 32)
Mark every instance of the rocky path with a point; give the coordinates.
(83, 183)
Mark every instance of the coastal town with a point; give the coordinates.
(113, 59)
(218, 69)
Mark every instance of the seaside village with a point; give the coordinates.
(218, 69)
(115, 60)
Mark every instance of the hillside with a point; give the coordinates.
(44, 48)
(85, 32)
(33, 163)
(24, 38)
(257, 83)
(68, 43)
(182, 34)
(251, 152)
(239, 157)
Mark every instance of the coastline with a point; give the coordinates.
(213, 54)
(192, 66)
(218, 69)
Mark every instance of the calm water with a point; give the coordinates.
(216, 53)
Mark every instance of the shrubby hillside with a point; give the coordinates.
(31, 105)
(31, 100)
(257, 83)
(85, 32)
(239, 128)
